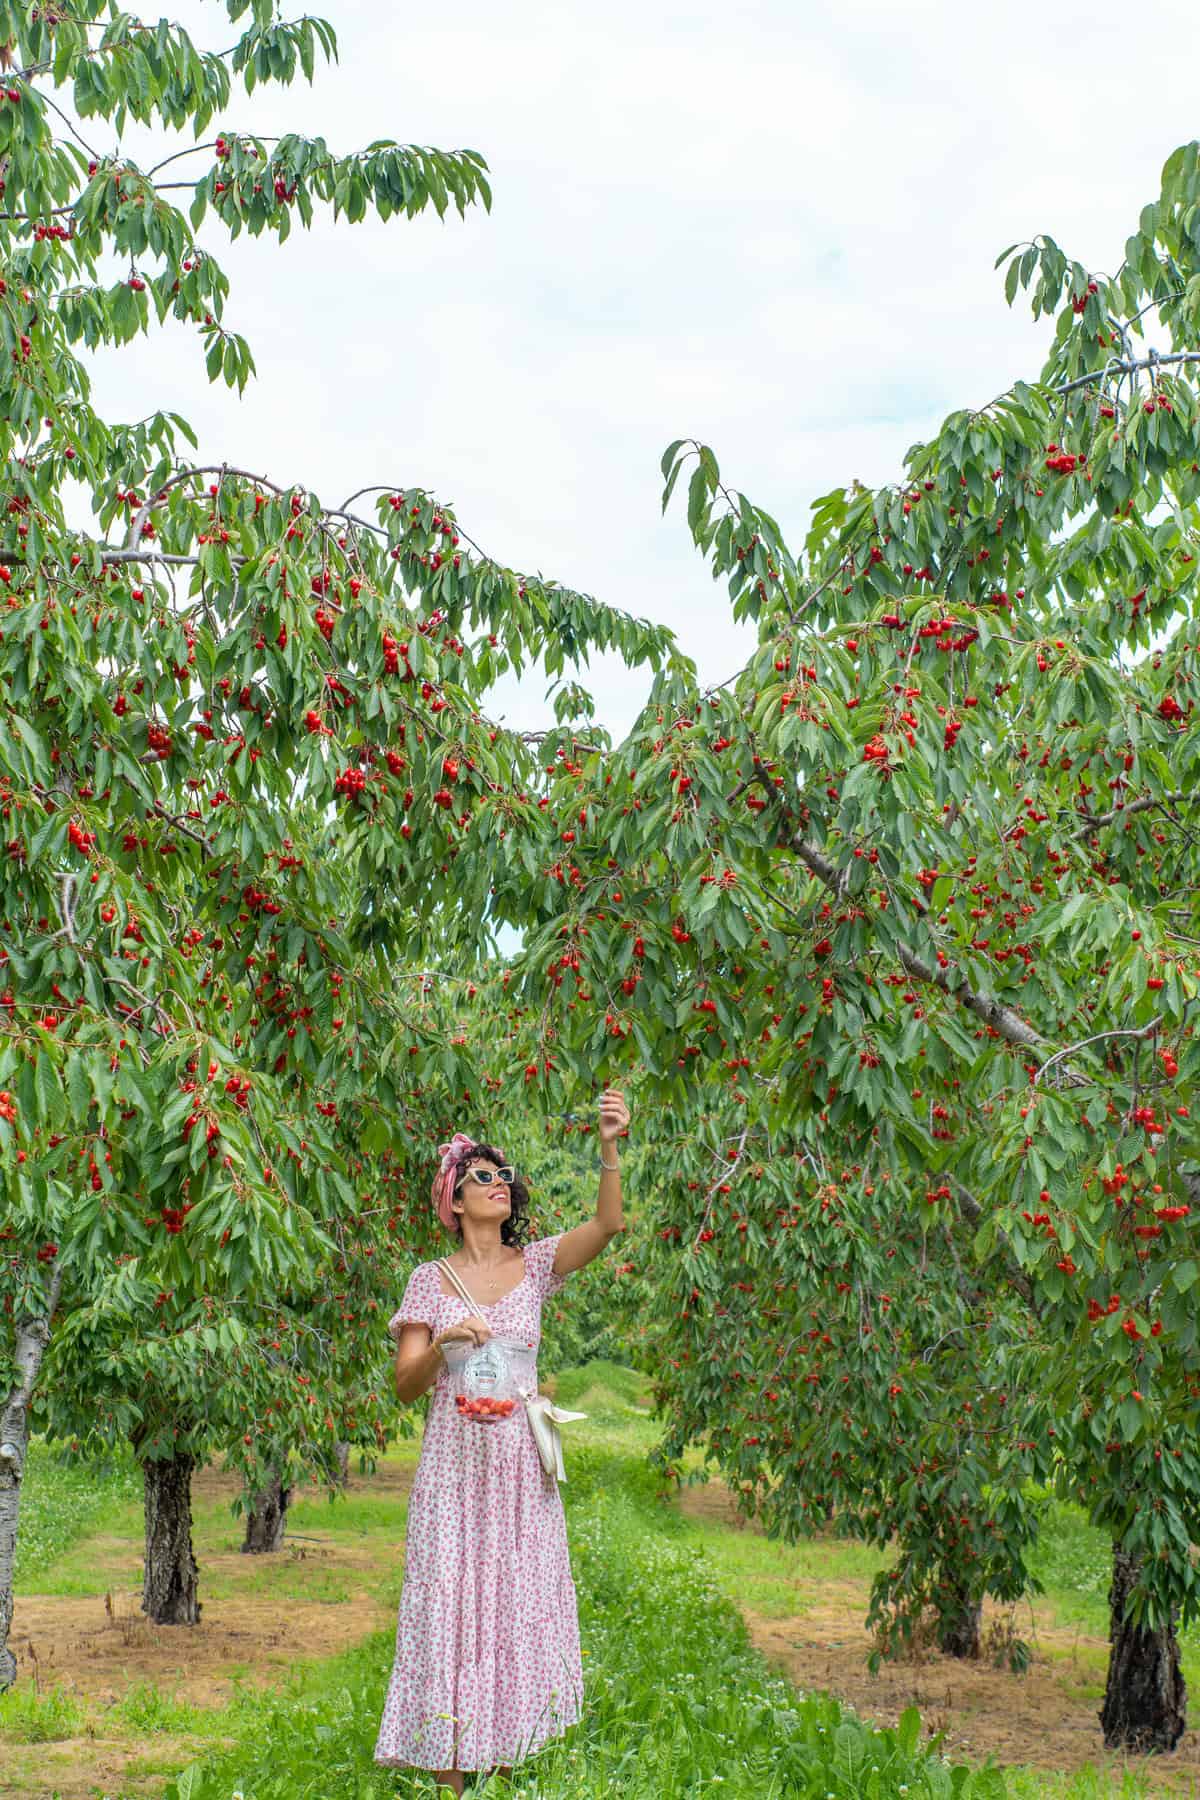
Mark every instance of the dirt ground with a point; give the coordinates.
(81, 1768)
(99, 1647)
(1046, 1717)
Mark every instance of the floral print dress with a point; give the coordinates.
(487, 1664)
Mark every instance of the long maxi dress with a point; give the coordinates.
(487, 1665)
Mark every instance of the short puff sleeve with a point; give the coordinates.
(420, 1297)
(539, 1265)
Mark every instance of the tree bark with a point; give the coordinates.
(1145, 1700)
(171, 1576)
(266, 1519)
(30, 1337)
(959, 1615)
(343, 1460)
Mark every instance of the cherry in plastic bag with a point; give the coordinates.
(489, 1379)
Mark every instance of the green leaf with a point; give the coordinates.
(908, 1731)
(306, 47)
(79, 1091)
(33, 741)
(697, 505)
(185, 1784)
(1131, 1415)
(49, 1092)
(670, 487)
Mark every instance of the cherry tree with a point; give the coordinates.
(248, 788)
(905, 914)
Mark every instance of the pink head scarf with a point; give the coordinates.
(453, 1155)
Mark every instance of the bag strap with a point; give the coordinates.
(443, 1263)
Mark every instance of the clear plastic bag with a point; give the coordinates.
(490, 1380)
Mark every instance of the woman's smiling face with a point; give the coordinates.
(485, 1199)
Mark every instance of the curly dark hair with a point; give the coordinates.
(513, 1229)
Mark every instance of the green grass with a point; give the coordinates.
(615, 1389)
(1086, 1784)
(117, 1516)
(62, 1504)
(146, 1710)
(679, 1702)
(777, 1580)
(27, 1717)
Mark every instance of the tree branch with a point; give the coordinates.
(1139, 1031)
(725, 1174)
(172, 819)
(156, 499)
(1146, 803)
(1154, 361)
(990, 1012)
(1016, 1277)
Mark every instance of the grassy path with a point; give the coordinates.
(300, 1644)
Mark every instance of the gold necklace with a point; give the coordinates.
(492, 1280)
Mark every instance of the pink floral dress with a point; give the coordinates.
(487, 1662)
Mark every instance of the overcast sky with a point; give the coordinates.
(770, 225)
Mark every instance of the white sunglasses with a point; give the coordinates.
(506, 1175)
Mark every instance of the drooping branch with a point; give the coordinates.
(989, 1011)
(156, 499)
(172, 819)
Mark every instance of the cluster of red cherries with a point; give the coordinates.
(483, 1407)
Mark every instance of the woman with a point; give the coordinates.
(487, 1662)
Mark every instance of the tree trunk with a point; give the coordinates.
(171, 1574)
(343, 1461)
(266, 1519)
(959, 1615)
(30, 1337)
(1145, 1701)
